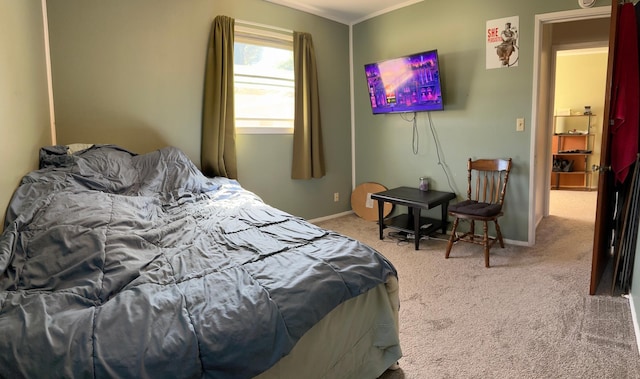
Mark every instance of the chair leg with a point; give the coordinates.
(485, 242)
(499, 234)
(452, 239)
(472, 230)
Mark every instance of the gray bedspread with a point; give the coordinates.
(114, 264)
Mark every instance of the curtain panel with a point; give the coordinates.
(218, 145)
(308, 154)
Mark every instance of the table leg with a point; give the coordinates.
(381, 217)
(416, 227)
(445, 208)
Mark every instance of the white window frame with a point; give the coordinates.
(258, 35)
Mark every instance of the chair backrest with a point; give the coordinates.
(488, 180)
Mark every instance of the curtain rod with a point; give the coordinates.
(264, 26)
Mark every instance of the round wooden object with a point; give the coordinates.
(364, 206)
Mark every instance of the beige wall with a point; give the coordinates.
(580, 80)
(24, 104)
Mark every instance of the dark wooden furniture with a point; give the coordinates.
(487, 186)
(571, 143)
(415, 200)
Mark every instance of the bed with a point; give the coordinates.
(116, 264)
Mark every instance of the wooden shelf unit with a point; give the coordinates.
(572, 145)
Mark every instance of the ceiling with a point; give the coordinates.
(346, 11)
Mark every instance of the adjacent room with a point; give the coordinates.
(119, 200)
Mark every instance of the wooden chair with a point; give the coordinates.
(487, 185)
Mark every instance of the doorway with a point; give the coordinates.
(569, 30)
(546, 35)
(578, 101)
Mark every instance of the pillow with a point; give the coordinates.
(476, 208)
(76, 147)
(55, 156)
(106, 168)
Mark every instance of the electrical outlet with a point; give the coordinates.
(336, 196)
(520, 124)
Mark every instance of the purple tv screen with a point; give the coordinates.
(406, 84)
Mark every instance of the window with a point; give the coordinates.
(263, 81)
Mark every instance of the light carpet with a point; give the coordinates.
(528, 316)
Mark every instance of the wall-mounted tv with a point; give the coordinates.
(406, 84)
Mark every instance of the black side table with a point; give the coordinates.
(415, 200)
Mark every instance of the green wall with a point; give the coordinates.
(130, 72)
(24, 104)
(481, 106)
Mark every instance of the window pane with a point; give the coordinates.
(264, 87)
(263, 100)
(263, 61)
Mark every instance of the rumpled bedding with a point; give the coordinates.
(114, 264)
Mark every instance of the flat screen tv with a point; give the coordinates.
(406, 84)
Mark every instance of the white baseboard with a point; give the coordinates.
(516, 242)
(320, 219)
(634, 318)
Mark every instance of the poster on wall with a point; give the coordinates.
(502, 42)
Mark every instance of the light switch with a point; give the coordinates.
(520, 124)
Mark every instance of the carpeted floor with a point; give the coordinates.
(528, 316)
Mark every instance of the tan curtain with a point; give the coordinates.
(218, 148)
(308, 155)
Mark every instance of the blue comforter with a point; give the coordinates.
(114, 264)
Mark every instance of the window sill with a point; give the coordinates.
(263, 130)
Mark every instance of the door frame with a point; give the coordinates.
(540, 168)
